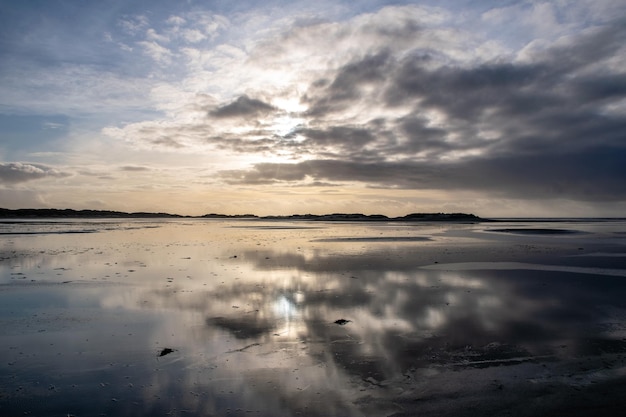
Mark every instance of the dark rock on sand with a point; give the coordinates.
(166, 351)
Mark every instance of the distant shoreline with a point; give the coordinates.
(355, 217)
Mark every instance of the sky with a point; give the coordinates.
(501, 109)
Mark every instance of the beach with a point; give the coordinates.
(251, 317)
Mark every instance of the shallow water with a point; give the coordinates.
(209, 317)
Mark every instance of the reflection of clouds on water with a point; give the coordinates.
(253, 322)
(400, 319)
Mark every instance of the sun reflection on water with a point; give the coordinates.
(287, 314)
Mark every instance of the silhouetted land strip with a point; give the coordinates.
(69, 213)
(355, 217)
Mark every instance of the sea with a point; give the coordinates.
(251, 317)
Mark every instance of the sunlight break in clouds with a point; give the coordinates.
(497, 110)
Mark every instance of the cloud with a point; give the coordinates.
(156, 51)
(176, 21)
(188, 28)
(350, 83)
(153, 35)
(167, 142)
(134, 24)
(18, 172)
(406, 97)
(243, 106)
(194, 35)
(531, 129)
(595, 176)
(133, 168)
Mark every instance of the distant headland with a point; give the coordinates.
(345, 217)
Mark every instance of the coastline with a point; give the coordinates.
(358, 217)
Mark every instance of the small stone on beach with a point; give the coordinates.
(166, 351)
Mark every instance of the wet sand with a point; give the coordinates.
(233, 318)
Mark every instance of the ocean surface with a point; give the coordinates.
(196, 317)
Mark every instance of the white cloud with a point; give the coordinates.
(158, 53)
(134, 24)
(193, 35)
(210, 24)
(152, 35)
(125, 47)
(532, 21)
(194, 27)
(176, 21)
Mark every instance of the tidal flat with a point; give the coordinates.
(197, 317)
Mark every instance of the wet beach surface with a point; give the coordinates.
(237, 318)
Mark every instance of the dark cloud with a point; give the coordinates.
(245, 145)
(133, 168)
(587, 50)
(602, 88)
(462, 93)
(167, 142)
(421, 137)
(598, 174)
(347, 85)
(334, 141)
(536, 106)
(17, 172)
(243, 106)
(267, 173)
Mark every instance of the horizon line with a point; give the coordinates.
(69, 212)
